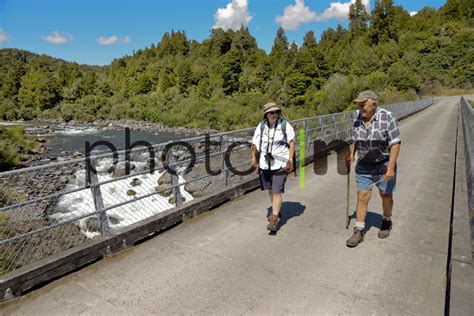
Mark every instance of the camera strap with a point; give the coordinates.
(270, 146)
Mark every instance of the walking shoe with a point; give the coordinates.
(272, 223)
(385, 228)
(356, 238)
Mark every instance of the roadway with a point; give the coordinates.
(225, 262)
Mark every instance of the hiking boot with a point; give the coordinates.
(279, 216)
(272, 223)
(385, 228)
(356, 238)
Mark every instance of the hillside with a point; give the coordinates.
(222, 82)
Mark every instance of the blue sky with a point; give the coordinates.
(97, 31)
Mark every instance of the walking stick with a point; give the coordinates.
(348, 187)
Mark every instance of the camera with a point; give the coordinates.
(269, 157)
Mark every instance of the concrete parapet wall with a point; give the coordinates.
(460, 269)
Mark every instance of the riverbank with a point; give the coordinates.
(124, 123)
(60, 140)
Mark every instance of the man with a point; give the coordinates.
(272, 147)
(377, 142)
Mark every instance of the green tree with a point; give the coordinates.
(455, 10)
(231, 70)
(403, 78)
(143, 84)
(221, 41)
(364, 60)
(358, 18)
(183, 77)
(309, 41)
(280, 47)
(88, 83)
(297, 85)
(39, 91)
(382, 27)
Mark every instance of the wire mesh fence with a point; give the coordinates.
(47, 209)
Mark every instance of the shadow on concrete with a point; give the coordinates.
(288, 211)
(371, 220)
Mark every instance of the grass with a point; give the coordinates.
(446, 92)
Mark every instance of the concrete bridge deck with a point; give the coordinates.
(224, 262)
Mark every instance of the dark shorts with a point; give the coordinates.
(273, 180)
(370, 175)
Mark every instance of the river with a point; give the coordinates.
(63, 140)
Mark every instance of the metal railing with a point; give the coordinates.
(467, 114)
(47, 209)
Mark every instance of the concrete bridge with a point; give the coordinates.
(225, 262)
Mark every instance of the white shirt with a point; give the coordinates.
(279, 150)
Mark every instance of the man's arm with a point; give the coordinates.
(352, 152)
(394, 151)
(394, 142)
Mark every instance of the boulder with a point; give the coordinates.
(135, 182)
(93, 225)
(164, 185)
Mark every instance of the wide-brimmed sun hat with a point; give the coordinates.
(270, 107)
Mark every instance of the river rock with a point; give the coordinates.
(165, 179)
(164, 185)
(93, 225)
(119, 169)
(113, 220)
(135, 182)
(198, 188)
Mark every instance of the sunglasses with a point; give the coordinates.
(274, 112)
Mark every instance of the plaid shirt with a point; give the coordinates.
(373, 143)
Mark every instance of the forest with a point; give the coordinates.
(222, 82)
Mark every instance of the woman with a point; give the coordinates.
(272, 147)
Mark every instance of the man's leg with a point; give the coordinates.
(363, 198)
(270, 195)
(387, 205)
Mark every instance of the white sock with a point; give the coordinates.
(387, 218)
(360, 225)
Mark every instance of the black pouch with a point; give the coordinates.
(269, 158)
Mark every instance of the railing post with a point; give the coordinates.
(176, 191)
(221, 150)
(93, 182)
(305, 128)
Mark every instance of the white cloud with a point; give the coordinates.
(233, 15)
(339, 10)
(412, 13)
(112, 40)
(298, 14)
(295, 15)
(57, 39)
(127, 39)
(3, 36)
